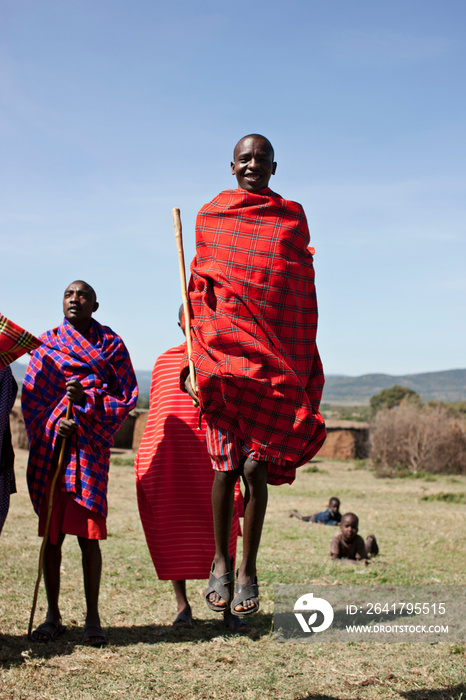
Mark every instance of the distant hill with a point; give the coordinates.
(143, 376)
(449, 385)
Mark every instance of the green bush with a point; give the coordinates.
(390, 398)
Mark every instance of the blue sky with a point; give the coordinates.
(115, 111)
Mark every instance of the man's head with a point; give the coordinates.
(253, 162)
(181, 318)
(349, 526)
(334, 505)
(79, 303)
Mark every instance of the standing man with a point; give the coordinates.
(8, 390)
(86, 363)
(174, 482)
(259, 375)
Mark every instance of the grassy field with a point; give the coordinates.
(421, 536)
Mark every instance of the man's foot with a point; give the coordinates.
(219, 591)
(246, 600)
(235, 624)
(94, 636)
(184, 619)
(47, 632)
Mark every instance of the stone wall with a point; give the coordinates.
(127, 437)
(19, 437)
(345, 439)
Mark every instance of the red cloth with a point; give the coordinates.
(69, 518)
(102, 364)
(14, 341)
(174, 480)
(254, 323)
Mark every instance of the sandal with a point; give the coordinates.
(236, 625)
(244, 593)
(49, 630)
(96, 633)
(222, 585)
(184, 620)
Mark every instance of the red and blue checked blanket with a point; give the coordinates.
(254, 322)
(104, 368)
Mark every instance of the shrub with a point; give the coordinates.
(412, 438)
(389, 398)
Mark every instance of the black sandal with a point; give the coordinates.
(223, 585)
(244, 593)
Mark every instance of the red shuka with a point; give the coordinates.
(174, 480)
(254, 323)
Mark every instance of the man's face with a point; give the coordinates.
(253, 163)
(79, 303)
(349, 528)
(333, 507)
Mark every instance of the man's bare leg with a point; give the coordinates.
(184, 617)
(52, 563)
(92, 571)
(182, 602)
(255, 506)
(223, 495)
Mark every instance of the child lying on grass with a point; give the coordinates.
(347, 544)
(331, 516)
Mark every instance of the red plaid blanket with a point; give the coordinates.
(14, 341)
(254, 322)
(103, 367)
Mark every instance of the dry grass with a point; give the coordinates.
(421, 541)
(417, 438)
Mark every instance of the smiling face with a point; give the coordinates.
(79, 303)
(349, 527)
(253, 163)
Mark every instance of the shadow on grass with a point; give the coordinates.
(16, 650)
(320, 697)
(453, 692)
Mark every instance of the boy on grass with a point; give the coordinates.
(347, 544)
(331, 516)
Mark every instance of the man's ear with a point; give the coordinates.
(96, 306)
(274, 167)
(232, 168)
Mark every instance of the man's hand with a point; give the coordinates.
(66, 428)
(75, 391)
(190, 391)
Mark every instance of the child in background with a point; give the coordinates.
(331, 516)
(347, 544)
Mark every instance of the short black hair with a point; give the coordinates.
(259, 136)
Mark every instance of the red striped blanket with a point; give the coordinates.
(104, 368)
(174, 480)
(254, 321)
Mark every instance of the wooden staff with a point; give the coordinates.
(184, 296)
(61, 458)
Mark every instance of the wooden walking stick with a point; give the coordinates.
(184, 296)
(61, 458)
